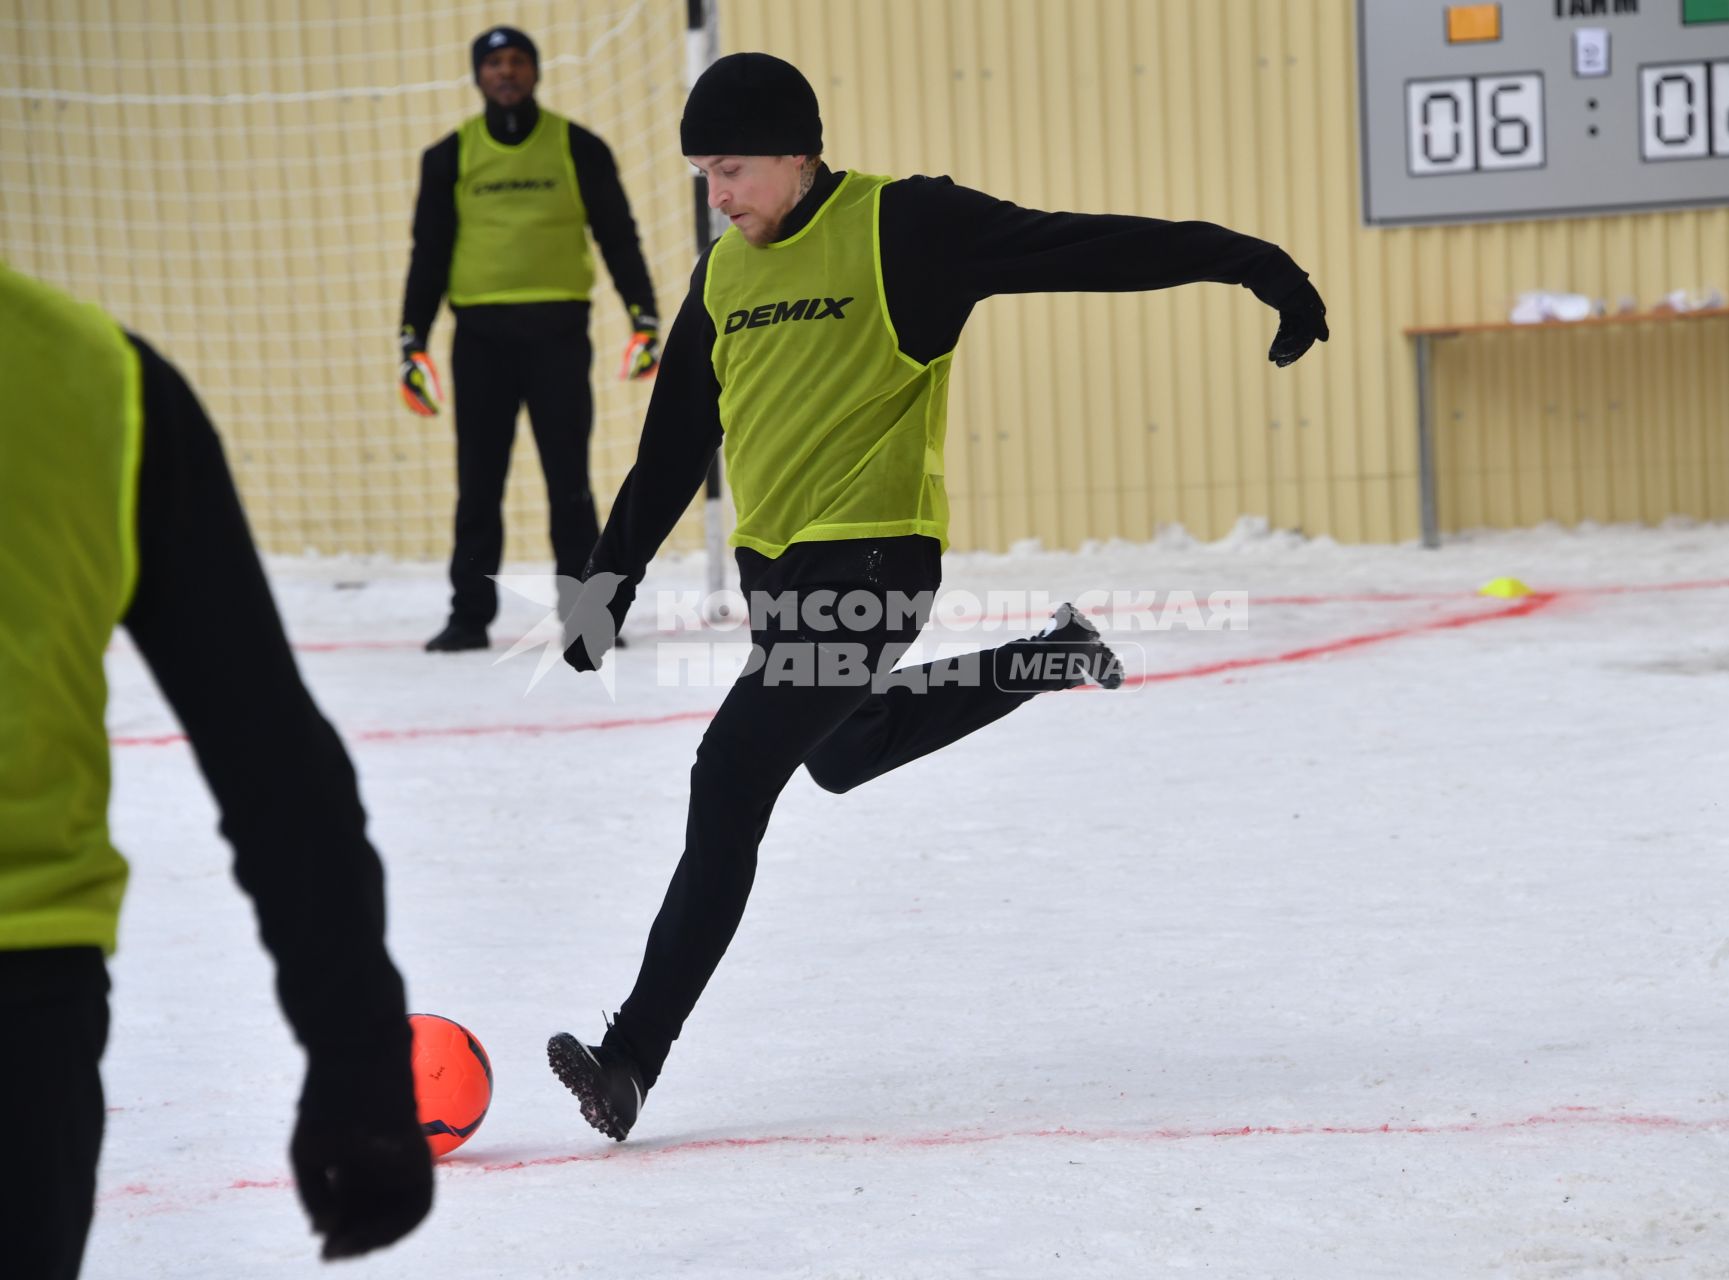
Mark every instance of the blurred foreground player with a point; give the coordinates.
(815, 344)
(116, 506)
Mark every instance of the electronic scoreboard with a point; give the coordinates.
(1533, 108)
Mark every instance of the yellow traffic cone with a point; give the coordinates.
(1505, 588)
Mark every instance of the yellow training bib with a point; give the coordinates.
(521, 225)
(70, 439)
(831, 431)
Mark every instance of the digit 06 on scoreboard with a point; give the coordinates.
(1541, 108)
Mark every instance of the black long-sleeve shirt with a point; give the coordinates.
(281, 778)
(609, 217)
(945, 248)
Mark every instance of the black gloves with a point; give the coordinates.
(360, 1159)
(1302, 323)
(594, 617)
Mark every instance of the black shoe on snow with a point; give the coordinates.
(456, 637)
(1084, 654)
(606, 1083)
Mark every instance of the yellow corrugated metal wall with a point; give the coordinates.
(236, 178)
(1089, 416)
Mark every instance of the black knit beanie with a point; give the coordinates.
(751, 104)
(495, 38)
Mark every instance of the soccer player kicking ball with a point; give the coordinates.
(815, 344)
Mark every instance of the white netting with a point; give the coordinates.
(236, 182)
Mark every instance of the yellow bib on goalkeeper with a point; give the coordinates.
(521, 225)
(69, 454)
(831, 431)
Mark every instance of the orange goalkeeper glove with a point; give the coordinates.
(642, 352)
(420, 388)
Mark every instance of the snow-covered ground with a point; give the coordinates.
(1386, 936)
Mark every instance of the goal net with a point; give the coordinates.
(235, 181)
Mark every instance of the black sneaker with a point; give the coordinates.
(605, 1081)
(1072, 634)
(456, 637)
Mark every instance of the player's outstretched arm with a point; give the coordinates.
(204, 621)
(946, 248)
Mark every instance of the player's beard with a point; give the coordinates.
(761, 231)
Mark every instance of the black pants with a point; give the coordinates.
(844, 734)
(54, 1012)
(502, 358)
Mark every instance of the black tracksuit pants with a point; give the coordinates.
(844, 734)
(503, 357)
(54, 1008)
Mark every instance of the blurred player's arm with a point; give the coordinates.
(203, 619)
(614, 228)
(428, 272)
(945, 248)
(680, 433)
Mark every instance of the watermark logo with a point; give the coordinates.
(578, 611)
(1027, 665)
(958, 611)
(829, 638)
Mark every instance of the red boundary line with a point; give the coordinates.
(1367, 597)
(1561, 1117)
(1519, 608)
(1570, 1117)
(463, 731)
(1256, 600)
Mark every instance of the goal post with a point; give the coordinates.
(702, 44)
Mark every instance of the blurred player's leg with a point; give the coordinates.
(54, 1007)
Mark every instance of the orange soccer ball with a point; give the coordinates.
(452, 1081)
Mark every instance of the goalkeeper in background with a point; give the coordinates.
(499, 224)
(116, 505)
